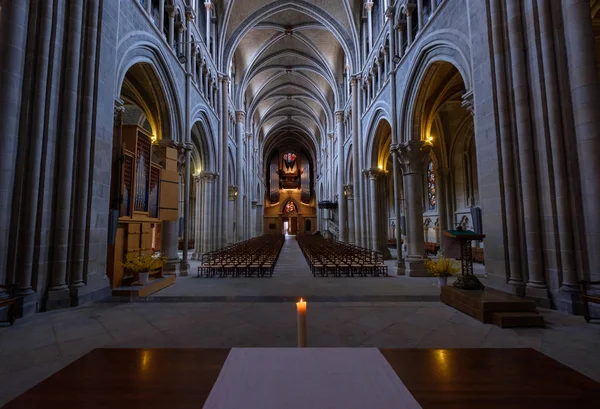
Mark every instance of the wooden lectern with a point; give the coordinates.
(463, 238)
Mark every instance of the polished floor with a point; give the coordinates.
(37, 346)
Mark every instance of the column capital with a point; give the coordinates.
(240, 116)
(349, 191)
(374, 173)
(331, 135)
(408, 9)
(224, 78)
(190, 13)
(170, 9)
(232, 192)
(208, 4)
(209, 176)
(119, 108)
(389, 12)
(411, 155)
(468, 102)
(180, 26)
(369, 5)
(339, 116)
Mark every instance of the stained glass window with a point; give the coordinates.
(289, 159)
(290, 207)
(431, 193)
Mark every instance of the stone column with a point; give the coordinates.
(169, 243)
(208, 214)
(78, 261)
(355, 161)
(232, 198)
(198, 217)
(260, 222)
(58, 287)
(149, 7)
(379, 75)
(208, 4)
(409, 23)
(171, 10)
(240, 117)
(585, 98)
(224, 158)
(161, 17)
(373, 175)
(180, 39)
(369, 7)
(348, 192)
(561, 178)
(185, 265)
(514, 275)
(526, 152)
(400, 29)
(29, 211)
(339, 132)
(420, 13)
(411, 155)
(397, 205)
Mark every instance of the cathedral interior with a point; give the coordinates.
(259, 151)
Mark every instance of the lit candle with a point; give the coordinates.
(301, 313)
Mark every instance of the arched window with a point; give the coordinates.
(431, 192)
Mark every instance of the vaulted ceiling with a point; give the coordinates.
(289, 59)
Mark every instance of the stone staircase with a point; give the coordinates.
(493, 306)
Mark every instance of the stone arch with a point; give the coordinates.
(140, 48)
(449, 47)
(203, 140)
(379, 141)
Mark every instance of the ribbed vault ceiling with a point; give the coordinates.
(289, 59)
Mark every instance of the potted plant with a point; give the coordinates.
(442, 268)
(143, 264)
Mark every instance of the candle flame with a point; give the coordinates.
(301, 300)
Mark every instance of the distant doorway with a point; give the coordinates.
(293, 225)
(286, 227)
(307, 226)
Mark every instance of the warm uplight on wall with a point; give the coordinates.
(153, 138)
(430, 139)
(380, 167)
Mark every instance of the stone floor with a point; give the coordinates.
(39, 345)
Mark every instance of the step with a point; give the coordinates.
(488, 300)
(517, 319)
(153, 286)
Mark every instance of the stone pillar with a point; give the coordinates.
(369, 7)
(379, 75)
(232, 198)
(400, 29)
(208, 212)
(84, 144)
(514, 275)
(29, 215)
(149, 7)
(169, 243)
(185, 265)
(561, 178)
(180, 39)
(64, 190)
(161, 17)
(397, 206)
(585, 98)
(224, 158)
(198, 217)
(355, 161)
(259, 220)
(348, 192)
(339, 132)
(214, 41)
(373, 175)
(208, 4)
(411, 155)
(420, 13)
(240, 117)
(171, 10)
(526, 152)
(409, 23)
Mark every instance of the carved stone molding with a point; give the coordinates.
(240, 116)
(411, 156)
(349, 191)
(232, 192)
(468, 102)
(374, 173)
(209, 176)
(339, 116)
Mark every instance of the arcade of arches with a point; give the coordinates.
(185, 126)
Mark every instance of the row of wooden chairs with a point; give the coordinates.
(327, 257)
(256, 256)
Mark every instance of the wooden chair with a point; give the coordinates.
(12, 303)
(588, 298)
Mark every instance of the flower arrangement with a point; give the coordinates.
(441, 266)
(140, 263)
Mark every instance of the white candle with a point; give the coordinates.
(301, 313)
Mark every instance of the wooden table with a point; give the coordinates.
(437, 378)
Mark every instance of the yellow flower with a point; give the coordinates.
(138, 262)
(441, 267)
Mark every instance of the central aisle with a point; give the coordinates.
(291, 262)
